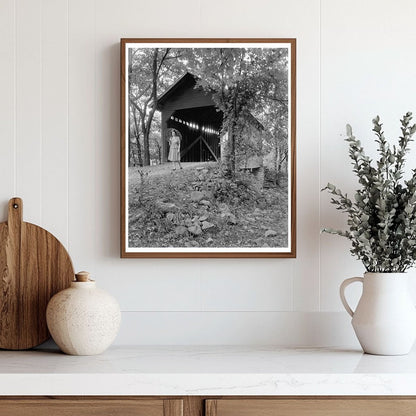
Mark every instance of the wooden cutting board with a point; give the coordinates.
(34, 266)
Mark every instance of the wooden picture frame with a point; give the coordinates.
(234, 135)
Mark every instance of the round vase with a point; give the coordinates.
(83, 320)
(385, 318)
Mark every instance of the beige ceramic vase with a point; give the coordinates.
(82, 319)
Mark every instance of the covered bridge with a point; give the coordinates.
(193, 113)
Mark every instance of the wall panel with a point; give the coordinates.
(81, 134)
(29, 107)
(7, 104)
(54, 118)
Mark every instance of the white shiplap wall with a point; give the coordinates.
(59, 151)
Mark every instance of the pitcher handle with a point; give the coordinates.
(342, 288)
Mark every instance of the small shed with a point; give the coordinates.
(193, 113)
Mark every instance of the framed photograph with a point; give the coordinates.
(208, 131)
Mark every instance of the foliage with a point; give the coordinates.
(244, 82)
(149, 71)
(162, 212)
(382, 215)
(236, 192)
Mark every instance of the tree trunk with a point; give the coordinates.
(137, 136)
(231, 144)
(233, 133)
(277, 156)
(129, 126)
(277, 164)
(146, 155)
(159, 152)
(131, 155)
(145, 133)
(139, 151)
(147, 124)
(277, 149)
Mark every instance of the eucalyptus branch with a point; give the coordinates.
(382, 216)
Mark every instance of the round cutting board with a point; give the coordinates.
(34, 266)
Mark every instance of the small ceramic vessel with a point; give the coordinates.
(83, 320)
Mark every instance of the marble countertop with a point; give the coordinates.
(208, 371)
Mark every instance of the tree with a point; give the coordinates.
(275, 120)
(150, 69)
(135, 133)
(241, 80)
(272, 106)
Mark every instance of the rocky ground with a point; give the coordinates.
(197, 207)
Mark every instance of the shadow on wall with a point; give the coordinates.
(107, 145)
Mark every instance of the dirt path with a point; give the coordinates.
(163, 169)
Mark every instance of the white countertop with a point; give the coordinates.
(207, 371)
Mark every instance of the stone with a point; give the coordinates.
(203, 218)
(196, 196)
(209, 240)
(188, 222)
(270, 233)
(166, 207)
(231, 218)
(205, 202)
(208, 195)
(206, 225)
(224, 207)
(170, 216)
(180, 230)
(195, 229)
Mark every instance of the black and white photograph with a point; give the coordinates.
(208, 148)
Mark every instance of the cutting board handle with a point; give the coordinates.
(15, 215)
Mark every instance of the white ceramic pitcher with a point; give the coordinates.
(385, 318)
